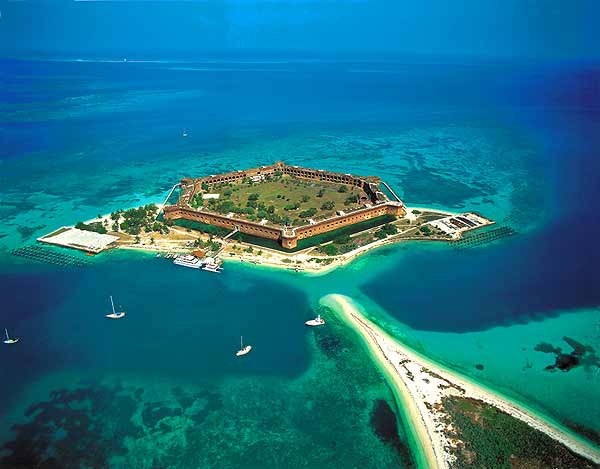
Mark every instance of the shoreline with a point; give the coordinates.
(400, 363)
(300, 261)
(309, 260)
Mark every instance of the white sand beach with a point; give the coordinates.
(421, 384)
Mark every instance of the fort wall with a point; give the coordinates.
(256, 229)
(287, 236)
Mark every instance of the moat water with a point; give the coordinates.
(516, 143)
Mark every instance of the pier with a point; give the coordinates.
(483, 238)
(49, 256)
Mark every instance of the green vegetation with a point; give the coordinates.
(308, 213)
(351, 199)
(209, 245)
(386, 230)
(495, 439)
(342, 239)
(389, 229)
(281, 200)
(95, 226)
(329, 249)
(136, 219)
(340, 245)
(425, 230)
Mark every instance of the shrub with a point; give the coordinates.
(291, 206)
(308, 213)
(351, 199)
(343, 189)
(390, 229)
(330, 250)
(328, 205)
(96, 227)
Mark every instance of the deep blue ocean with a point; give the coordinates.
(517, 142)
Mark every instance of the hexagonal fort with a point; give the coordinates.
(282, 202)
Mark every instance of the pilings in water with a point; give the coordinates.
(49, 256)
(486, 237)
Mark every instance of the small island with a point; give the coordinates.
(278, 215)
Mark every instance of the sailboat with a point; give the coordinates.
(8, 340)
(318, 321)
(114, 314)
(243, 350)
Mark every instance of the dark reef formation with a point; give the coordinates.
(580, 355)
(385, 426)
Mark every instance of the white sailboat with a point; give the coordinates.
(8, 340)
(114, 314)
(318, 321)
(243, 350)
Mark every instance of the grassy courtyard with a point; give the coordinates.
(283, 200)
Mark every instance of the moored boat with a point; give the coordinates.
(212, 265)
(9, 340)
(188, 260)
(114, 314)
(318, 321)
(243, 350)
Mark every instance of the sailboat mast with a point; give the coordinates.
(6, 330)
(241, 343)
(112, 304)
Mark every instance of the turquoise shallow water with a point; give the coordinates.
(87, 138)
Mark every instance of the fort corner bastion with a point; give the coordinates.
(201, 200)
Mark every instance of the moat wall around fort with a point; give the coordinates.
(288, 237)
